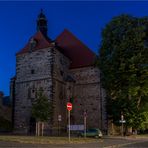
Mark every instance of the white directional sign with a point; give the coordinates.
(59, 118)
(122, 121)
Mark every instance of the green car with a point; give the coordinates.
(91, 133)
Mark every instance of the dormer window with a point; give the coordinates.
(33, 44)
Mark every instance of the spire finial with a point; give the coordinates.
(42, 23)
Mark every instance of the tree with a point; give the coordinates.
(41, 110)
(123, 61)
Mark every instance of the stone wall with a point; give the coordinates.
(48, 68)
(60, 72)
(88, 97)
(33, 71)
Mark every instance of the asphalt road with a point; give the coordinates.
(137, 145)
(105, 143)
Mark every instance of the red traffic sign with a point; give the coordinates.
(69, 106)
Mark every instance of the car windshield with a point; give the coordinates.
(92, 130)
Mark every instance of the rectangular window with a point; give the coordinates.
(32, 71)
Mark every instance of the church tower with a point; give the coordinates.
(64, 69)
(33, 71)
(42, 23)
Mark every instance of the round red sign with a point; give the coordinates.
(69, 106)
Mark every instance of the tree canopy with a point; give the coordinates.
(123, 61)
(41, 108)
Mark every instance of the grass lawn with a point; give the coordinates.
(142, 136)
(47, 140)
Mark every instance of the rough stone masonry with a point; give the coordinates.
(64, 69)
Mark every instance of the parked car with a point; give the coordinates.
(91, 133)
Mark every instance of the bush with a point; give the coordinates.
(5, 125)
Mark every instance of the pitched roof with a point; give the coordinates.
(41, 42)
(79, 54)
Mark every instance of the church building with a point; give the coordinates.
(65, 69)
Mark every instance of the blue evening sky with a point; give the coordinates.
(85, 19)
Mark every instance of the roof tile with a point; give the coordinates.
(79, 54)
(42, 42)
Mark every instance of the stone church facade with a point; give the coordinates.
(64, 69)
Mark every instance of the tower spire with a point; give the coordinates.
(42, 23)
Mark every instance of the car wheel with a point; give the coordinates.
(96, 136)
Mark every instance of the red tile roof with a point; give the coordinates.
(69, 45)
(42, 42)
(79, 54)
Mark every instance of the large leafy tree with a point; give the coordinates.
(123, 61)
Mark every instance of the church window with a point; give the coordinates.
(32, 71)
(61, 72)
(31, 93)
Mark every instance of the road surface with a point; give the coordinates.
(102, 143)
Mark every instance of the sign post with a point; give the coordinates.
(59, 120)
(122, 121)
(69, 125)
(85, 114)
(69, 108)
